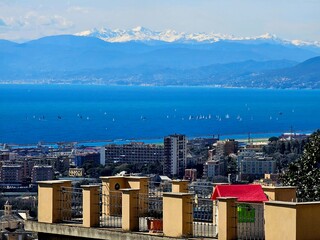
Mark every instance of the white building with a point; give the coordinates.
(255, 164)
(175, 155)
(213, 168)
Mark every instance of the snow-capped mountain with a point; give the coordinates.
(145, 34)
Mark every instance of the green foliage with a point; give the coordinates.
(232, 164)
(123, 167)
(305, 172)
(95, 170)
(107, 170)
(273, 139)
(284, 152)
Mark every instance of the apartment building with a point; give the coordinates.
(254, 165)
(175, 155)
(11, 173)
(42, 173)
(135, 152)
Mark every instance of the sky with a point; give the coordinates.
(22, 20)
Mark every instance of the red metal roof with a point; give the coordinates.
(244, 193)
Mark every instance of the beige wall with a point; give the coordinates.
(130, 209)
(287, 194)
(180, 186)
(90, 205)
(112, 197)
(49, 200)
(308, 219)
(227, 222)
(177, 214)
(294, 221)
(280, 222)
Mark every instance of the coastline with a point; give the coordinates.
(254, 137)
(151, 85)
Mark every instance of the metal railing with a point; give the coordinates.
(203, 212)
(150, 211)
(204, 219)
(250, 220)
(201, 190)
(111, 209)
(158, 188)
(71, 204)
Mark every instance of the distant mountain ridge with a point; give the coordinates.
(305, 74)
(144, 34)
(90, 60)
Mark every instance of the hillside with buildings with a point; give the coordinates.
(244, 62)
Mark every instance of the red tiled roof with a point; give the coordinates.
(244, 193)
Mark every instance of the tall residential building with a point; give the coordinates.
(42, 173)
(175, 155)
(11, 173)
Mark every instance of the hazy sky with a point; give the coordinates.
(288, 19)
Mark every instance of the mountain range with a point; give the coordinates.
(147, 35)
(144, 57)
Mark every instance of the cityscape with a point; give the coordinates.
(159, 120)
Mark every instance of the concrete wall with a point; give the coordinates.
(177, 214)
(294, 221)
(90, 205)
(130, 209)
(49, 200)
(112, 194)
(308, 221)
(180, 186)
(227, 222)
(287, 194)
(71, 232)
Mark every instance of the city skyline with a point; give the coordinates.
(31, 19)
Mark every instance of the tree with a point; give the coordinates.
(107, 170)
(232, 164)
(273, 139)
(305, 172)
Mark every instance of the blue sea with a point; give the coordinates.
(58, 113)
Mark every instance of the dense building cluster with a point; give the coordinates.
(210, 159)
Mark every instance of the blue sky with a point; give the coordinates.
(288, 19)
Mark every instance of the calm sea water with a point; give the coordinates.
(50, 113)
